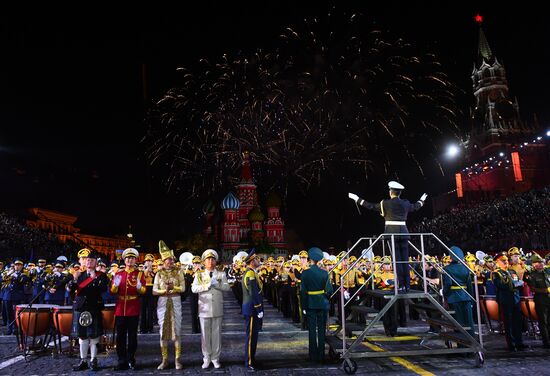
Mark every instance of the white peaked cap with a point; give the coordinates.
(395, 185)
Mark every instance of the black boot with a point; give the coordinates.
(94, 365)
(83, 365)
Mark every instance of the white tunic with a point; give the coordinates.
(210, 297)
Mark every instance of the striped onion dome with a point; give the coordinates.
(230, 202)
(256, 215)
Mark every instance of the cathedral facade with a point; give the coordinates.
(241, 223)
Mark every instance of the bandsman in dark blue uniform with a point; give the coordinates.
(315, 287)
(54, 285)
(395, 211)
(38, 274)
(15, 280)
(253, 308)
(508, 284)
(457, 284)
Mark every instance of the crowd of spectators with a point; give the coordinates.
(520, 220)
(17, 239)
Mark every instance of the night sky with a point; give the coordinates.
(73, 99)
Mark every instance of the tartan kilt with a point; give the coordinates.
(93, 331)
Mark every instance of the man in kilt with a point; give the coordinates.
(88, 287)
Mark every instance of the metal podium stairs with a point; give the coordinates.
(350, 340)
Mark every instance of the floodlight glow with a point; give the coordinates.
(452, 151)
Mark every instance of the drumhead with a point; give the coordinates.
(36, 307)
(62, 308)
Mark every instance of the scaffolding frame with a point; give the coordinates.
(347, 352)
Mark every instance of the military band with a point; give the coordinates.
(284, 283)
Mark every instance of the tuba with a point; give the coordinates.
(186, 258)
(480, 256)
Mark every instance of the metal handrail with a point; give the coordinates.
(350, 267)
(394, 262)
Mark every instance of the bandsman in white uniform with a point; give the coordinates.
(210, 285)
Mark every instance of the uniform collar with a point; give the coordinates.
(129, 269)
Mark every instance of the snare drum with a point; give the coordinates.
(108, 315)
(34, 320)
(489, 306)
(63, 319)
(528, 308)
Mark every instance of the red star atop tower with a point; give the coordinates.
(478, 18)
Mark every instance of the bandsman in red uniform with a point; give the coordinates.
(127, 284)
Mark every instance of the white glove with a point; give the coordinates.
(261, 315)
(304, 311)
(423, 198)
(138, 285)
(353, 196)
(346, 295)
(214, 282)
(117, 280)
(57, 274)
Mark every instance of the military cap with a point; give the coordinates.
(59, 265)
(395, 186)
(84, 252)
(114, 264)
(513, 251)
(41, 261)
(314, 253)
(536, 258)
(303, 254)
(352, 259)
(149, 257)
(17, 261)
(209, 253)
(31, 264)
(196, 260)
(130, 252)
(386, 260)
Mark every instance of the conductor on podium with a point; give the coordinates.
(395, 211)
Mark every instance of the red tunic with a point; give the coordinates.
(127, 303)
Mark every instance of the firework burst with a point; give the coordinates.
(326, 102)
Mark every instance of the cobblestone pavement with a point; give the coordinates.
(282, 350)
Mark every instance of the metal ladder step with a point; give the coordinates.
(456, 337)
(441, 322)
(428, 307)
(367, 311)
